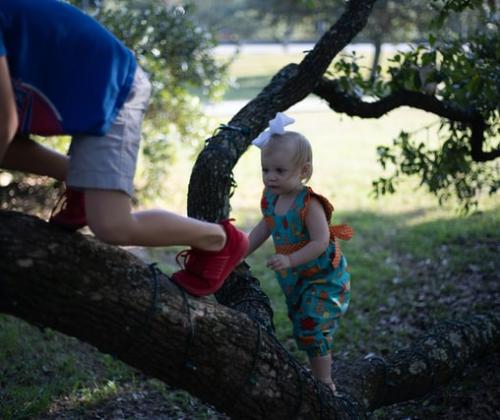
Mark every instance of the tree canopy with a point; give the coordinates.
(454, 74)
(463, 76)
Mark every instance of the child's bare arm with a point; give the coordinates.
(319, 233)
(8, 112)
(257, 236)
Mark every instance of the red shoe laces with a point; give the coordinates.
(184, 255)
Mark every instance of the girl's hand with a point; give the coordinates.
(279, 262)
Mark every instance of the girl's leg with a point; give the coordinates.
(321, 367)
(26, 155)
(110, 217)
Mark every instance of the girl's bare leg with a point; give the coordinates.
(321, 368)
(26, 155)
(110, 217)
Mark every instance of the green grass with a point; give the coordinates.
(39, 368)
(37, 365)
(251, 72)
(252, 65)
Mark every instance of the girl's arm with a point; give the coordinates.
(8, 111)
(319, 233)
(257, 236)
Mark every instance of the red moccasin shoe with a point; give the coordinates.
(205, 271)
(69, 211)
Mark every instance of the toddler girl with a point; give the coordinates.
(308, 263)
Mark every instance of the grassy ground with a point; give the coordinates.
(412, 264)
(252, 71)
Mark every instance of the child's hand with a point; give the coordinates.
(279, 262)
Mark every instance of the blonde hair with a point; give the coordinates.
(302, 151)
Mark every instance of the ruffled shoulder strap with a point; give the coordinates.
(267, 202)
(327, 206)
(337, 232)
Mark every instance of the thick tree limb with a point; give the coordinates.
(109, 298)
(341, 101)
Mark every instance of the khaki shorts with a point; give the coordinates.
(108, 162)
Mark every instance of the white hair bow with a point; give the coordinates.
(276, 126)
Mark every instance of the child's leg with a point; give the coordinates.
(321, 367)
(110, 217)
(26, 155)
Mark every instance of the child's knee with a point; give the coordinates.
(217, 238)
(214, 239)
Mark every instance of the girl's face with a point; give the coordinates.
(279, 174)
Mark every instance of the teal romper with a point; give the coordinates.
(317, 292)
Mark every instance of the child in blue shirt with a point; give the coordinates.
(61, 72)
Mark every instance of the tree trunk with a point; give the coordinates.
(224, 357)
(377, 44)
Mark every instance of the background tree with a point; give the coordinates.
(395, 21)
(231, 21)
(463, 73)
(391, 21)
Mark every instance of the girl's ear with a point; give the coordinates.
(306, 171)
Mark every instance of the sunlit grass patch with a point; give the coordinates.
(97, 393)
(250, 72)
(245, 65)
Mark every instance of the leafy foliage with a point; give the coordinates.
(176, 52)
(464, 71)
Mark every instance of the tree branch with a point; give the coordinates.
(109, 298)
(340, 101)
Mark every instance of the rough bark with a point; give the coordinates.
(117, 304)
(226, 358)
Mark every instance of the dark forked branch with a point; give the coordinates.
(346, 103)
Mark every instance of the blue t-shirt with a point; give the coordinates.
(70, 74)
